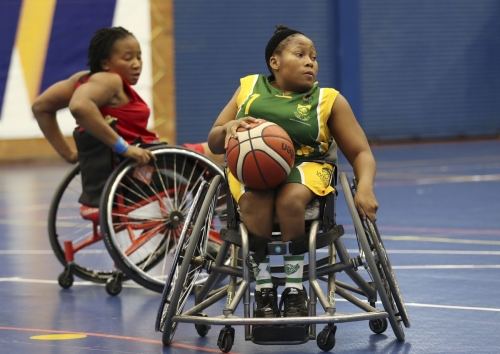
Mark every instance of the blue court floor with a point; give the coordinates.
(439, 217)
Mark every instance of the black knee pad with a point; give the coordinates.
(258, 245)
(257, 242)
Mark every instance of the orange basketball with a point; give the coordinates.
(262, 156)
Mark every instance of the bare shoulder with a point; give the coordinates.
(76, 76)
(340, 105)
(110, 80)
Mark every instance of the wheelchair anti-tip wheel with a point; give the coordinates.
(189, 258)
(376, 261)
(143, 211)
(87, 258)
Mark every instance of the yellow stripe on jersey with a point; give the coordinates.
(246, 88)
(327, 97)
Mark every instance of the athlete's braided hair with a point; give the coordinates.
(101, 44)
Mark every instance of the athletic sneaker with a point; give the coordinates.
(295, 301)
(266, 301)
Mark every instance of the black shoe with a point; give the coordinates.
(295, 301)
(266, 303)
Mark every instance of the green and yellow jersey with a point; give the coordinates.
(303, 116)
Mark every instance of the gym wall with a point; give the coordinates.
(43, 42)
(410, 70)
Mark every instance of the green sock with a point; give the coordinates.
(294, 268)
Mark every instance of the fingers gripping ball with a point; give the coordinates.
(262, 156)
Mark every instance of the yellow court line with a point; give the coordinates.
(62, 336)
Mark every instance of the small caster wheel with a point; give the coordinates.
(202, 329)
(226, 339)
(326, 338)
(66, 279)
(114, 284)
(378, 326)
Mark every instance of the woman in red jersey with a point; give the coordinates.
(115, 62)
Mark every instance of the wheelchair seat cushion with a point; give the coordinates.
(90, 213)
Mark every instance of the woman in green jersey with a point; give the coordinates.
(315, 118)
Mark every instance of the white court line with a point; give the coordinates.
(132, 285)
(44, 252)
(43, 281)
(324, 250)
(450, 266)
(486, 253)
(414, 304)
(453, 307)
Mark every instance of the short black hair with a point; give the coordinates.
(282, 36)
(101, 44)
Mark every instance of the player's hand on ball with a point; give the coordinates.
(231, 128)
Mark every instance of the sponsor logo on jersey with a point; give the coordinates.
(302, 112)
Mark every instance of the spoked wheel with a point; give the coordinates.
(189, 258)
(373, 262)
(67, 227)
(144, 210)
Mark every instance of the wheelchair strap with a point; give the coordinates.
(261, 247)
(257, 244)
(301, 245)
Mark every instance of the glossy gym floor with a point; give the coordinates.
(439, 217)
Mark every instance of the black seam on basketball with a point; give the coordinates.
(250, 138)
(279, 137)
(272, 158)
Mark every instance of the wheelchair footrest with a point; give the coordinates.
(277, 335)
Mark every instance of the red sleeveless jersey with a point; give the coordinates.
(132, 117)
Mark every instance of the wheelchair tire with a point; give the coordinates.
(189, 258)
(91, 263)
(379, 278)
(390, 278)
(143, 211)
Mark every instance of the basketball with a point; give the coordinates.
(262, 156)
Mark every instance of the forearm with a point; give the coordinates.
(216, 140)
(50, 129)
(364, 167)
(90, 118)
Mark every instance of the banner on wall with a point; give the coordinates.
(44, 42)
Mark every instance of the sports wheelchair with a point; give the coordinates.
(191, 259)
(139, 217)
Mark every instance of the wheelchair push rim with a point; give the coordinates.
(143, 211)
(385, 264)
(379, 278)
(196, 252)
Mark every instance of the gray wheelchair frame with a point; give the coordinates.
(190, 260)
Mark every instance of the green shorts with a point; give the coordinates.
(315, 176)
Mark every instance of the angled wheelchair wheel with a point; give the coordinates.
(190, 257)
(373, 263)
(143, 211)
(76, 242)
(389, 278)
